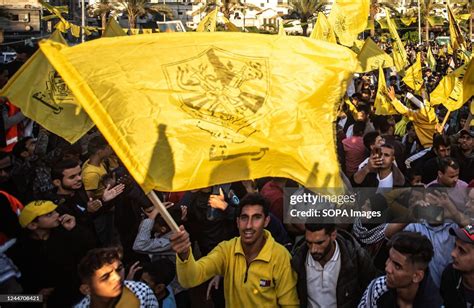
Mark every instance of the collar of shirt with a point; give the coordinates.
(264, 254)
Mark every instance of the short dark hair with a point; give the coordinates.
(439, 140)
(416, 246)
(388, 145)
(95, 259)
(363, 107)
(369, 139)
(446, 162)
(96, 144)
(359, 128)
(328, 228)
(253, 199)
(161, 271)
(59, 167)
(20, 147)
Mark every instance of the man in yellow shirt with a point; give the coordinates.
(94, 168)
(256, 269)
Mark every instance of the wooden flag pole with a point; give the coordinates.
(163, 211)
(444, 121)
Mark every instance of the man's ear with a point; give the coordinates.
(57, 183)
(267, 220)
(32, 226)
(85, 289)
(334, 235)
(418, 276)
(440, 173)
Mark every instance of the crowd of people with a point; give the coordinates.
(76, 228)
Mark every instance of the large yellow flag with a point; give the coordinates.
(371, 57)
(323, 30)
(382, 103)
(349, 18)
(414, 75)
(113, 29)
(208, 23)
(457, 40)
(43, 96)
(213, 107)
(399, 52)
(450, 90)
(468, 83)
(430, 59)
(442, 91)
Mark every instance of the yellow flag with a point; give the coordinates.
(457, 40)
(281, 29)
(323, 30)
(213, 107)
(450, 90)
(349, 18)
(63, 26)
(408, 20)
(113, 29)
(442, 91)
(399, 52)
(382, 103)
(468, 83)
(414, 75)
(430, 59)
(371, 57)
(135, 31)
(441, 52)
(450, 49)
(125, 30)
(43, 96)
(147, 31)
(75, 30)
(208, 23)
(230, 26)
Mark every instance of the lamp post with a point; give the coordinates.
(419, 22)
(83, 21)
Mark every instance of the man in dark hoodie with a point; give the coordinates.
(333, 269)
(457, 282)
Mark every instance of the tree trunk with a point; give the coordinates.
(304, 26)
(373, 12)
(427, 30)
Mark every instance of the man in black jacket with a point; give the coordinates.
(333, 269)
(457, 282)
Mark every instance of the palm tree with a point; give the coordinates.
(375, 7)
(137, 8)
(102, 9)
(427, 12)
(306, 9)
(227, 8)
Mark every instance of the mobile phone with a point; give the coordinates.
(377, 151)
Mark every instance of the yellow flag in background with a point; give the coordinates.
(399, 53)
(371, 57)
(442, 91)
(457, 40)
(349, 18)
(75, 30)
(135, 31)
(441, 52)
(450, 49)
(43, 96)
(113, 29)
(468, 83)
(323, 30)
(213, 107)
(281, 29)
(208, 23)
(408, 20)
(382, 103)
(450, 90)
(430, 59)
(414, 75)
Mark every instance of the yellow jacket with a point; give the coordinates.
(268, 281)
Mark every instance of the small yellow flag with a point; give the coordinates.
(113, 29)
(414, 75)
(349, 18)
(75, 30)
(63, 26)
(43, 96)
(323, 30)
(213, 107)
(408, 20)
(281, 29)
(208, 23)
(450, 49)
(382, 102)
(371, 57)
(430, 59)
(457, 39)
(230, 26)
(134, 31)
(399, 53)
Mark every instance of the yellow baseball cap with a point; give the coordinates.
(35, 209)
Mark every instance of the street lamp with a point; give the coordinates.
(419, 22)
(83, 21)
